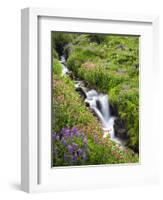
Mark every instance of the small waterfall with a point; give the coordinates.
(64, 68)
(104, 101)
(98, 102)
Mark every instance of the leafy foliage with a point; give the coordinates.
(69, 110)
(70, 147)
(57, 68)
(59, 40)
(111, 65)
(71, 114)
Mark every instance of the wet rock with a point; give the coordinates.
(87, 104)
(98, 104)
(71, 75)
(67, 50)
(113, 110)
(79, 83)
(135, 148)
(81, 92)
(120, 129)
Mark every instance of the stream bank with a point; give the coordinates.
(100, 107)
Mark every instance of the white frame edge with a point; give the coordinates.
(29, 89)
(29, 80)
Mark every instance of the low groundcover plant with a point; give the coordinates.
(70, 147)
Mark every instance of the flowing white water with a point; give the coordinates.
(99, 103)
(64, 68)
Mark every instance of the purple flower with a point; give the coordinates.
(74, 129)
(79, 152)
(71, 134)
(67, 133)
(75, 146)
(63, 130)
(57, 137)
(65, 157)
(64, 141)
(54, 136)
(74, 158)
(77, 134)
(70, 149)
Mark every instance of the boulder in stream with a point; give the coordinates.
(120, 129)
(81, 92)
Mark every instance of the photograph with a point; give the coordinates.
(94, 99)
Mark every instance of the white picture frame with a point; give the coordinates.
(36, 171)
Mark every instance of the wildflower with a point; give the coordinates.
(65, 157)
(54, 136)
(64, 141)
(71, 134)
(66, 133)
(79, 152)
(85, 141)
(75, 146)
(95, 139)
(74, 130)
(57, 138)
(70, 149)
(74, 158)
(63, 130)
(67, 146)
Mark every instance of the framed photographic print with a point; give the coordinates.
(88, 94)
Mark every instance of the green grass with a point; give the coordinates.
(57, 68)
(69, 111)
(111, 66)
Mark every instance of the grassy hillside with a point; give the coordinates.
(76, 127)
(109, 64)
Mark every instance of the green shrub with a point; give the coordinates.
(57, 67)
(69, 111)
(110, 64)
(126, 100)
(60, 40)
(68, 106)
(55, 54)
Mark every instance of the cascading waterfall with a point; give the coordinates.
(98, 102)
(64, 68)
